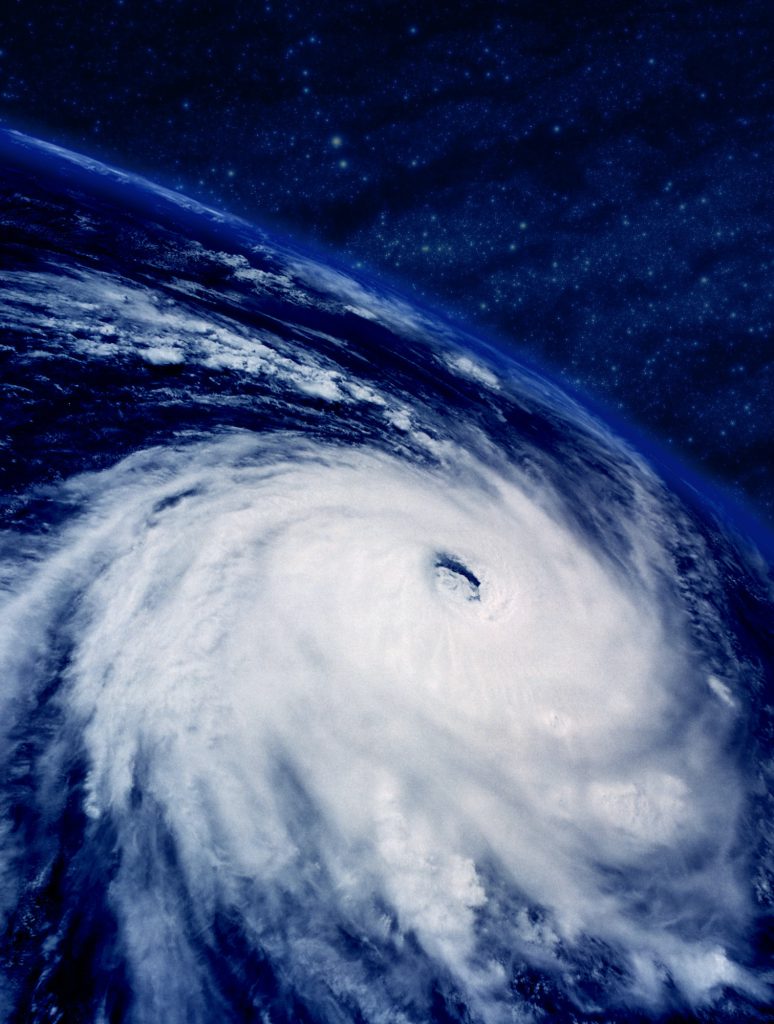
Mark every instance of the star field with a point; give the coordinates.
(592, 183)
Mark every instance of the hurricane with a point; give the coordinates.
(352, 670)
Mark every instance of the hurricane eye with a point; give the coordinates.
(173, 500)
(454, 577)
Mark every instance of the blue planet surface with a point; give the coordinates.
(351, 670)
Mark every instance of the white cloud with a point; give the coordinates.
(262, 635)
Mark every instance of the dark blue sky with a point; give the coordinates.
(592, 182)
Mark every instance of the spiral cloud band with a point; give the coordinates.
(419, 698)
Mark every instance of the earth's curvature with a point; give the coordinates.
(350, 671)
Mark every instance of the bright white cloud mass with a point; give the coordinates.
(406, 700)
